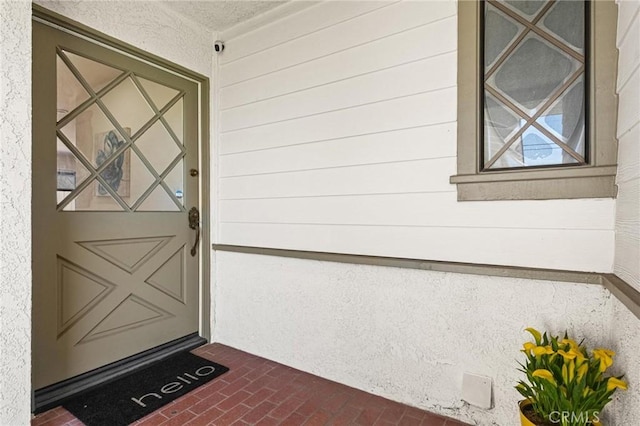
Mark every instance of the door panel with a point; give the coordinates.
(113, 138)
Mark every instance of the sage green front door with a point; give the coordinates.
(114, 139)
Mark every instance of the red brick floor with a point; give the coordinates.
(260, 392)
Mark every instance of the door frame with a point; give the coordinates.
(55, 20)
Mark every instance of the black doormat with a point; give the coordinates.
(130, 398)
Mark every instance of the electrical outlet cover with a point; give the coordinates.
(476, 390)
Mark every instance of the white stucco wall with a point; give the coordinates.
(15, 213)
(401, 333)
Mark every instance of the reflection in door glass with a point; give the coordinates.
(100, 132)
(70, 92)
(94, 135)
(159, 200)
(175, 119)
(141, 179)
(158, 147)
(174, 181)
(91, 198)
(96, 74)
(159, 94)
(70, 172)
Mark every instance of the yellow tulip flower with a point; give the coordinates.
(587, 391)
(535, 333)
(528, 347)
(572, 370)
(565, 373)
(605, 358)
(542, 350)
(582, 370)
(580, 358)
(567, 355)
(544, 374)
(572, 343)
(614, 383)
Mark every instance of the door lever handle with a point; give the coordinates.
(194, 223)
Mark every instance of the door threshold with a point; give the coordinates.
(54, 395)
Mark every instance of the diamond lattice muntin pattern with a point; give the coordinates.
(534, 83)
(119, 139)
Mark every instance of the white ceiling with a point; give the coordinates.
(219, 15)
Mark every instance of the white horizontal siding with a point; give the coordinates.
(531, 247)
(629, 155)
(430, 141)
(418, 209)
(416, 44)
(431, 175)
(432, 107)
(338, 133)
(389, 83)
(629, 53)
(391, 19)
(307, 21)
(627, 248)
(628, 104)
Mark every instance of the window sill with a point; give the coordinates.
(542, 184)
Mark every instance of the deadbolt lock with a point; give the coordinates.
(193, 172)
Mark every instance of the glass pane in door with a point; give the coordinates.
(97, 133)
(70, 92)
(96, 74)
(158, 147)
(128, 106)
(159, 94)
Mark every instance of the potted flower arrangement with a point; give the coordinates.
(565, 384)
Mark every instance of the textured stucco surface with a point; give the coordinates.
(625, 409)
(147, 26)
(404, 334)
(219, 15)
(15, 213)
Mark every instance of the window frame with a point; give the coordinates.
(593, 180)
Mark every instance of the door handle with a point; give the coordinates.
(194, 223)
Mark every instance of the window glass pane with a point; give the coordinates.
(158, 200)
(526, 7)
(96, 74)
(141, 179)
(93, 134)
(159, 94)
(563, 12)
(566, 117)
(128, 106)
(70, 92)
(175, 119)
(158, 147)
(534, 85)
(533, 73)
(94, 199)
(500, 31)
(70, 172)
(174, 181)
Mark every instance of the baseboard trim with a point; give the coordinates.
(56, 394)
(427, 265)
(622, 290)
